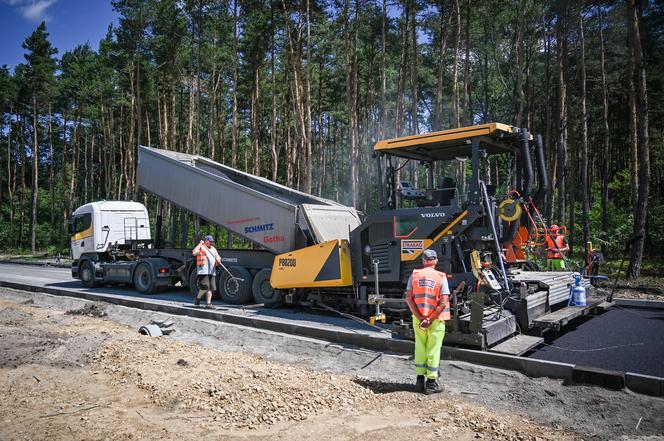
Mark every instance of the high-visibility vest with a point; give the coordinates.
(553, 247)
(426, 283)
(201, 259)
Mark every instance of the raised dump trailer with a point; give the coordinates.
(273, 216)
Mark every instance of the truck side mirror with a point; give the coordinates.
(70, 227)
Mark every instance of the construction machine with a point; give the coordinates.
(313, 251)
(480, 237)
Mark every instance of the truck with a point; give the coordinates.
(310, 250)
(111, 241)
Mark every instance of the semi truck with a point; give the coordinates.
(311, 250)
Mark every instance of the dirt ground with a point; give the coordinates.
(72, 376)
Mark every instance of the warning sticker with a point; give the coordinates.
(411, 246)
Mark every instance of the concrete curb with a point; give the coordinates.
(22, 262)
(638, 303)
(530, 367)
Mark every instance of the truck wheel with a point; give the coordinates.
(193, 283)
(87, 274)
(234, 291)
(263, 291)
(144, 279)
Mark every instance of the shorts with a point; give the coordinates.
(207, 282)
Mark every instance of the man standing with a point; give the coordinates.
(207, 259)
(556, 247)
(428, 298)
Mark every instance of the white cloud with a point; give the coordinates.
(36, 11)
(33, 10)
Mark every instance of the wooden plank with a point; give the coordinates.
(563, 316)
(517, 345)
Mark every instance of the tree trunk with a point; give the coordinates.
(24, 160)
(585, 187)
(255, 134)
(467, 115)
(51, 157)
(520, 49)
(307, 107)
(234, 108)
(633, 130)
(383, 72)
(413, 68)
(641, 212)
(10, 179)
(561, 57)
(606, 161)
(399, 117)
(133, 149)
(273, 132)
(35, 176)
(350, 102)
(455, 69)
(444, 32)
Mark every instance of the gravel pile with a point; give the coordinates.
(239, 390)
(90, 310)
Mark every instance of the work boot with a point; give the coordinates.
(432, 387)
(419, 384)
(197, 301)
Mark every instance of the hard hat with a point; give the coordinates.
(210, 238)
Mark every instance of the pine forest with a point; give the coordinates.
(300, 91)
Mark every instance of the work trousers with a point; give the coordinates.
(427, 347)
(555, 264)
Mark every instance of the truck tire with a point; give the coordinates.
(263, 291)
(193, 282)
(87, 274)
(144, 279)
(234, 291)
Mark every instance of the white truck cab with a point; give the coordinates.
(97, 226)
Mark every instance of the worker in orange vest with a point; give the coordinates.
(556, 246)
(207, 260)
(428, 298)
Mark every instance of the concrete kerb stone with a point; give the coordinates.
(644, 384)
(599, 377)
(485, 358)
(46, 264)
(638, 303)
(552, 369)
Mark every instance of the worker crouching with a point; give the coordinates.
(428, 298)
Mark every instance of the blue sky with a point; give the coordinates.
(69, 23)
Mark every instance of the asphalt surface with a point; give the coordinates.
(61, 278)
(621, 339)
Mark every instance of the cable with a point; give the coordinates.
(352, 317)
(606, 348)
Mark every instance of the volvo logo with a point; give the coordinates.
(432, 215)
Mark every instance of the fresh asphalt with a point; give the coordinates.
(621, 339)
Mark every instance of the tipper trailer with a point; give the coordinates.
(317, 251)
